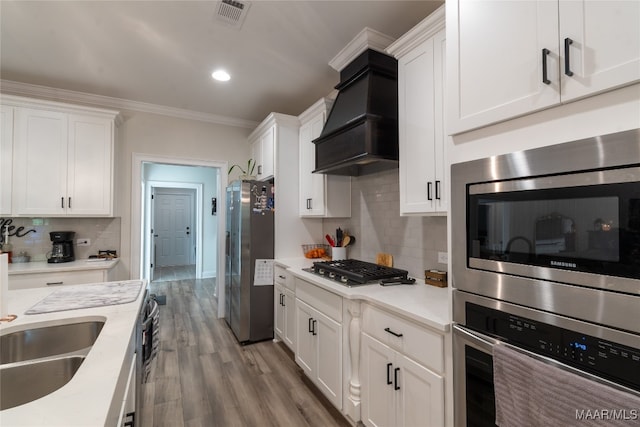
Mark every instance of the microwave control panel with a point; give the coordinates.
(616, 362)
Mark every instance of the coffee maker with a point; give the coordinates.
(62, 250)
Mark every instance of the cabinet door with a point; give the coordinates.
(279, 311)
(441, 185)
(289, 319)
(256, 154)
(495, 60)
(268, 142)
(421, 399)
(377, 383)
(417, 137)
(6, 158)
(605, 52)
(40, 167)
(329, 368)
(305, 340)
(312, 186)
(90, 166)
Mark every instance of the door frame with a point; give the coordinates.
(197, 238)
(137, 212)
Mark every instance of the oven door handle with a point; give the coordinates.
(483, 342)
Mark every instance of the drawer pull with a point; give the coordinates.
(54, 283)
(282, 277)
(389, 373)
(392, 333)
(310, 327)
(314, 327)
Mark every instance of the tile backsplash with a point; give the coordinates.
(104, 233)
(414, 241)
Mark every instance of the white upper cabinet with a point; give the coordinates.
(263, 148)
(320, 195)
(6, 158)
(508, 59)
(603, 46)
(421, 69)
(63, 160)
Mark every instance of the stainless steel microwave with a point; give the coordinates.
(560, 221)
(581, 228)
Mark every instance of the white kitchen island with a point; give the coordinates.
(95, 394)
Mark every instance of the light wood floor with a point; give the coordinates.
(176, 272)
(203, 377)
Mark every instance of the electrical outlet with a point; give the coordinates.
(443, 257)
(83, 242)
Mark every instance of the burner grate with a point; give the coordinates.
(352, 271)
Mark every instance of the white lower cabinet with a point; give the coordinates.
(400, 362)
(42, 280)
(319, 343)
(127, 415)
(396, 391)
(285, 316)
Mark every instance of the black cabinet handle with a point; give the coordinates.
(545, 77)
(389, 374)
(314, 328)
(395, 379)
(281, 295)
(282, 277)
(283, 299)
(69, 204)
(132, 422)
(567, 62)
(259, 169)
(310, 327)
(62, 202)
(437, 190)
(429, 191)
(308, 203)
(392, 333)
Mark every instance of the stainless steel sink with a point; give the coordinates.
(26, 382)
(48, 341)
(38, 361)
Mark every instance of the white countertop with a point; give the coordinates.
(86, 400)
(425, 304)
(45, 267)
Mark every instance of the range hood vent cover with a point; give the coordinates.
(360, 135)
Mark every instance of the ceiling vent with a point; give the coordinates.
(232, 12)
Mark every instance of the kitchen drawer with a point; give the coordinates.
(41, 280)
(418, 343)
(320, 299)
(283, 277)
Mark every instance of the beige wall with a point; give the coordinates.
(157, 135)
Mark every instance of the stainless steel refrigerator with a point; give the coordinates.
(249, 237)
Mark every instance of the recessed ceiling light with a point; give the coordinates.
(221, 75)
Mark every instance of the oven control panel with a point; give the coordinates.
(613, 361)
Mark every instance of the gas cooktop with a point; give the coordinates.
(352, 272)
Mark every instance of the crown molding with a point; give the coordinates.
(366, 39)
(279, 119)
(63, 95)
(425, 29)
(322, 105)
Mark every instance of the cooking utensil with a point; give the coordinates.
(339, 236)
(346, 240)
(330, 240)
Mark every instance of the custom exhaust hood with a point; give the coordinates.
(360, 135)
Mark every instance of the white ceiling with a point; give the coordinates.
(163, 52)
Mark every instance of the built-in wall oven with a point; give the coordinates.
(546, 263)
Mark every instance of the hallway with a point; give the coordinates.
(203, 377)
